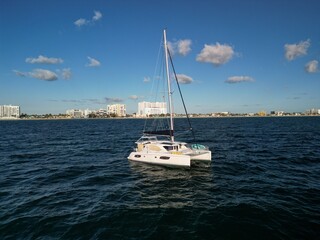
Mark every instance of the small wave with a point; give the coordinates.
(27, 156)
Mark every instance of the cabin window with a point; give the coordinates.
(168, 148)
(171, 148)
(137, 156)
(164, 157)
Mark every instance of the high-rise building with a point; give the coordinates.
(75, 113)
(9, 111)
(118, 110)
(86, 113)
(151, 108)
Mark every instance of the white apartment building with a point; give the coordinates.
(118, 110)
(314, 111)
(151, 108)
(86, 113)
(75, 113)
(9, 111)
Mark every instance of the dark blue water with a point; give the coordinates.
(70, 179)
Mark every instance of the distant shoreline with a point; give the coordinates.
(124, 118)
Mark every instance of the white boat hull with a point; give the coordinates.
(165, 159)
(201, 156)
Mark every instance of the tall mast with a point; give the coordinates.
(169, 85)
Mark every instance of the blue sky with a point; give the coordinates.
(237, 56)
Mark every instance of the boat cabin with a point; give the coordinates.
(152, 143)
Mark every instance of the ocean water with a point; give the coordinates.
(70, 179)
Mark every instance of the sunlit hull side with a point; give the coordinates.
(201, 156)
(165, 159)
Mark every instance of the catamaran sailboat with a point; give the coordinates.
(159, 147)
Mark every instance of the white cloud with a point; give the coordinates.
(71, 100)
(43, 74)
(44, 60)
(20, 74)
(97, 16)
(66, 73)
(239, 79)
(94, 101)
(114, 100)
(312, 66)
(146, 79)
(217, 54)
(183, 47)
(82, 21)
(134, 97)
(93, 62)
(292, 51)
(184, 79)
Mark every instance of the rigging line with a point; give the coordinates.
(184, 105)
(149, 97)
(153, 94)
(161, 95)
(159, 57)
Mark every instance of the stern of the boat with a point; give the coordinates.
(204, 155)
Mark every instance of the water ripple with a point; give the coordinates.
(71, 180)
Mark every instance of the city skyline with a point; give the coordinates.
(145, 109)
(230, 56)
